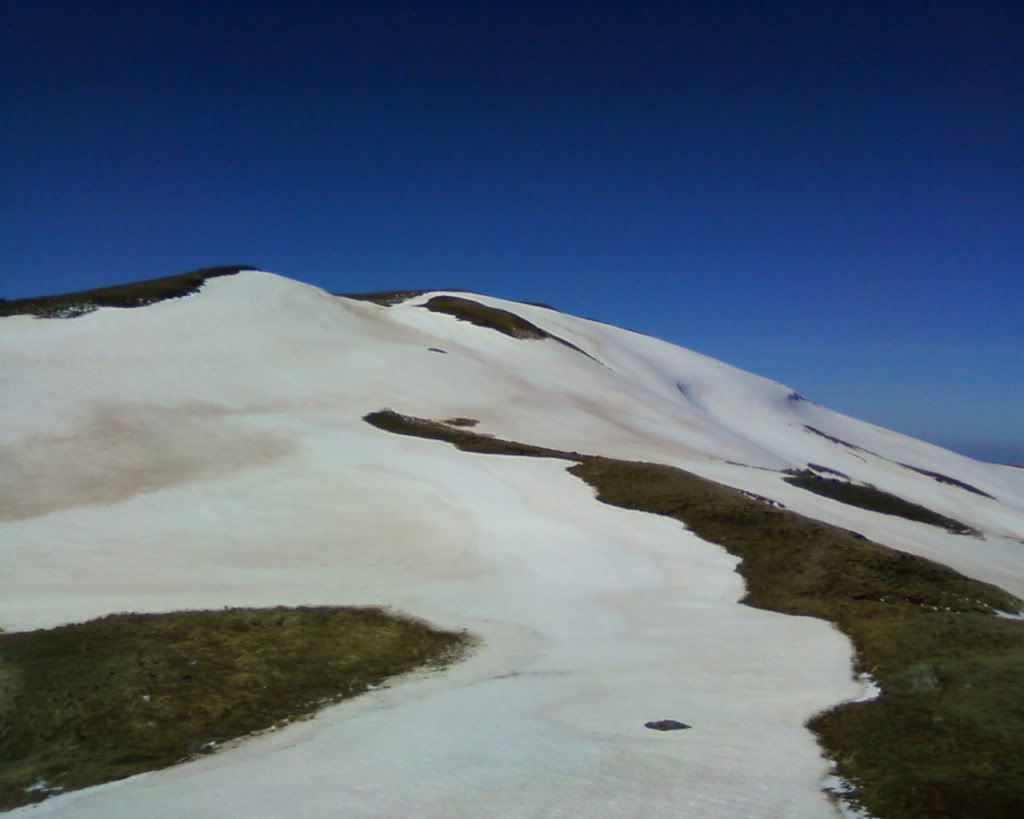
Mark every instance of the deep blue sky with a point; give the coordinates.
(829, 194)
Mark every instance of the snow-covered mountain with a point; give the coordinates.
(211, 451)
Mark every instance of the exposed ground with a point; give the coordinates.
(504, 321)
(938, 476)
(92, 702)
(943, 738)
(597, 620)
(935, 476)
(494, 318)
(135, 294)
(389, 298)
(868, 497)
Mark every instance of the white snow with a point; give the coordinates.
(209, 451)
(872, 690)
(1010, 615)
(841, 790)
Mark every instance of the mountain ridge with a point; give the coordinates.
(233, 421)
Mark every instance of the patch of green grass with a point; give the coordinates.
(840, 441)
(389, 298)
(938, 476)
(481, 315)
(868, 497)
(943, 739)
(391, 421)
(96, 701)
(940, 741)
(135, 294)
(493, 318)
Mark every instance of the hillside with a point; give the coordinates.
(246, 440)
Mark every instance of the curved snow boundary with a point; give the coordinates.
(951, 667)
(130, 693)
(507, 549)
(593, 620)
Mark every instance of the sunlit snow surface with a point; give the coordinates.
(209, 451)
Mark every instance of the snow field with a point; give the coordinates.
(209, 451)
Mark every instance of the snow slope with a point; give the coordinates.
(209, 451)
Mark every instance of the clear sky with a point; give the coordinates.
(829, 194)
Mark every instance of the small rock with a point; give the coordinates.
(666, 725)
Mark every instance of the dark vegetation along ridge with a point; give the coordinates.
(389, 298)
(840, 441)
(135, 294)
(460, 421)
(937, 476)
(943, 739)
(827, 470)
(97, 701)
(868, 497)
(493, 318)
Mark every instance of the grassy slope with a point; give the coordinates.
(868, 497)
(482, 315)
(943, 739)
(493, 318)
(135, 294)
(97, 701)
(936, 476)
(389, 298)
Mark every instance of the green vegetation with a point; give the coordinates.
(494, 318)
(135, 294)
(391, 421)
(943, 739)
(868, 497)
(389, 298)
(940, 741)
(483, 316)
(938, 476)
(840, 441)
(97, 701)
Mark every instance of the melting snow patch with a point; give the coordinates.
(834, 785)
(1009, 615)
(762, 499)
(827, 470)
(42, 786)
(872, 690)
(839, 789)
(68, 311)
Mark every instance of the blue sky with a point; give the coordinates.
(831, 195)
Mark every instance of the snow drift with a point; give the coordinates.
(210, 451)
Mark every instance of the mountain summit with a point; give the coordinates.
(637, 535)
